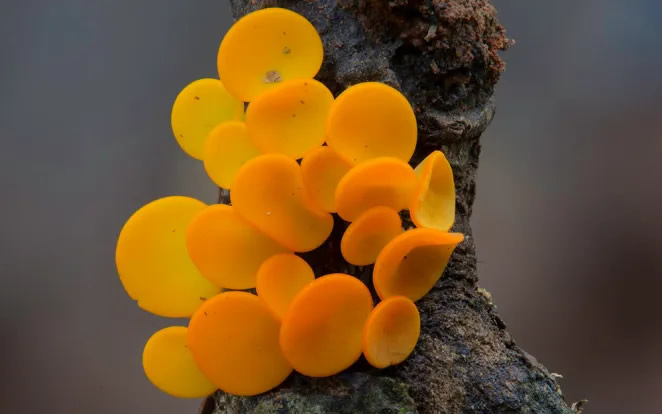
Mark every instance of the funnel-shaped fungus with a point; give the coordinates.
(289, 118)
(169, 365)
(280, 278)
(413, 262)
(371, 120)
(322, 330)
(268, 192)
(227, 250)
(433, 205)
(234, 341)
(198, 109)
(322, 169)
(227, 148)
(384, 181)
(266, 47)
(391, 332)
(152, 260)
(367, 236)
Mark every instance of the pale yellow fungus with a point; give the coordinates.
(367, 236)
(152, 260)
(280, 278)
(227, 148)
(433, 205)
(322, 169)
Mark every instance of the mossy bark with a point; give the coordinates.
(443, 55)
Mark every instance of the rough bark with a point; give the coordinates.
(443, 55)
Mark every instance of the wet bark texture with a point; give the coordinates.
(443, 55)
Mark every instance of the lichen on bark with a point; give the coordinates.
(443, 56)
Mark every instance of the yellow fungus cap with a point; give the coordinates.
(322, 169)
(169, 365)
(367, 236)
(433, 205)
(411, 264)
(391, 332)
(198, 109)
(227, 250)
(280, 278)
(227, 148)
(371, 120)
(234, 341)
(268, 193)
(152, 260)
(266, 47)
(384, 181)
(289, 118)
(322, 329)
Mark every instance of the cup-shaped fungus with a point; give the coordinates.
(169, 365)
(227, 250)
(234, 341)
(383, 181)
(280, 278)
(268, 192)
(227, 148)
(367, 236)
(433, 205)
(266, 47)
(371, 120)
(391, 332)
(322, 330)
(152, 260)
(322, 169)
(289, 118)
(198, 109)
(411, 264)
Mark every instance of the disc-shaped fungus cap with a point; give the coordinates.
(411, 264)
(383, 181)
(289, 118)
(226, 249)
(280, 278)
(367, 236)
(169, 365)
(266, 47)
(371, 120)
(198, 109)
(322, 329)
(152, 260)
(227, 148)
(433, 205)
(322, 169)
(234, 341)
(268, 193)
(391, 332)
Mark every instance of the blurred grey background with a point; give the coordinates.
(567, 220)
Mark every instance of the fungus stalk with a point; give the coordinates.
(465, 359)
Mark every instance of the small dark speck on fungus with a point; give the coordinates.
(197, 98)
(287, 50)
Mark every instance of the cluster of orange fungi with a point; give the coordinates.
(178, 257)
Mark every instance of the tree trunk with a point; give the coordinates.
(443, 56)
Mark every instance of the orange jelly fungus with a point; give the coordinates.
(266, 47)
(322, 330)
(280, 278)
(268, 192)
(433, 205)
(227, 148)
(322, 169)
(411, 264)
(169, 365)
(391, 332)
(384, 181)
(234, 341)
(198, 109)
(227, 250)
(367, 236)
(152, 260)
(289, 118)
(371, 120)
